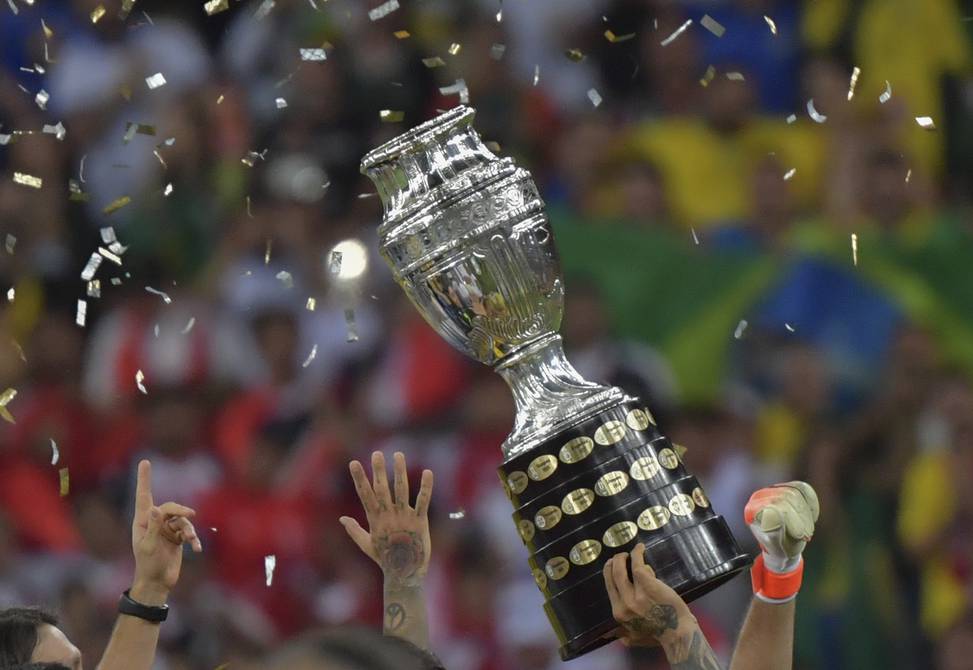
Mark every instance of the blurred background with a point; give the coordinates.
(774, 254)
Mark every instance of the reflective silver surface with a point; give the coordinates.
(466, 237)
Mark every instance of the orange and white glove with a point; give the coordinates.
(782, 518)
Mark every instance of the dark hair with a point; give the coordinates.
(18, 633)
(38, 666)
(362, 649)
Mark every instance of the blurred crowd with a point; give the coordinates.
(771, 250)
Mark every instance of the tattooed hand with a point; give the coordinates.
(397, 539)
(652, 613)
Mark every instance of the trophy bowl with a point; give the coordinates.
(587, 470)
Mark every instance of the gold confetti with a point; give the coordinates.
(926, 122)
(789, 174)
(712, 25)
(853, 82)
(140, 381)
(19, 349)
(28, 180)
(676, 33)
(311, 304)
(126, 92)
(216, 6)
(574, 54)
(908, 175)
(390, 116)
(116, 205)
(94, 288)
(155, 81)
(707, 76)
(433, 61)
(65, 481)
(771, 25)
(126, 9)
(854, 249)
(5, 399)
(48, 33)
(402, 34)
(615, 39)
(97, 13)
(492, 146)
(454, 48)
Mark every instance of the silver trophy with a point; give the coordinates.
(467, 239)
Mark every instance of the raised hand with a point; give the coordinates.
(397, 539)
(158, 533)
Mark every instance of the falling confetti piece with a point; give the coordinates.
(65, 481)
(497, 50)
(854, 249)
(97, 13)
(125, 9)
(9, 243)
(695, 236)
(712, 25)
(13, 7)
(500, 15)
(162, 294)
(790, 173)
(48, 33)
(676, 33)
(615, 39)
(91, 267)
(55, 454)
(285, 278)
(82, 312)
(155, 81)
(139, 382)
(168, 190)
(791, 119)
(458, 514)
(334, 263)
(20, 350)
(28, 180)
(537, 74)
(771, 25)
(741, 327)
(707, 76)
(270, 564)
(458, 87)
(817, 116)
(110, 255)
(57, 130)
(263, 10)
(281, 103)
(853, 82)
(575, 55)
(94, 288)
(5, 399)
(313, 54)
(789, 327)
(116, 205)
(350, 324)
(216, 6)
(391, 116)
(886, 94)
(189, 325)
(594, 96)
(454, 48)
(433, 61)
(383, 10)
(926, 122)
(908, 175)
(402, 34)
(311, 304)
(310, 356)
(735, 76)
(41, 98)
(11, 294)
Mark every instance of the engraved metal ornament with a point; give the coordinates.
(467, 239)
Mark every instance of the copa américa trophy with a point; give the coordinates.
(587, 470)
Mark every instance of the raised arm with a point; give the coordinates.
(158, 533)
(398, 540)
(782, 519)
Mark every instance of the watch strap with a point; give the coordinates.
(150, 613)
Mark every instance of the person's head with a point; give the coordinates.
(29, 636)
(352, 649)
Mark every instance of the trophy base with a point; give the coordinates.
(597, 489)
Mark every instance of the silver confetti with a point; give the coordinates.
(459, 86)
(789, 327)
(55, 454)
(91, 267)
(537, 74)
(817, 116)
(741, 327)
(189, 325)
(41, 98)
(140, 381)
(168, 190)
(162, 294)
(853, 82)
(695, 236)
(270, 564)
(789, 174)
(263, 10)
(854, 249)
(79, 317)
(313, 54)
(383, 10)
(9, 243)
(311, 356)
(281, 103)
(11, 294)
(594, 96)
(791, 119)
(350, 323)
(886, 94)
(155, 81)
(926, 122)
(458, 514)
(114, 258)
(712, 25)
(285, 278)
(497, 51)
(771, 25)
(676, 33)
(57, 130)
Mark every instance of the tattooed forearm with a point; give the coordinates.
(401, 556)
(657, 621)
(395, 616)
(691, 652)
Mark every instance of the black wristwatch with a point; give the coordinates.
(150, 613)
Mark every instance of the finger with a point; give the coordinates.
(364, 489)
(626, 590)
(175, 509)
(425, 494)
(143, 491)
(613, 596)
(185, 532)
(400, 479)
(358, 535)
(380, 480)
(642, 573)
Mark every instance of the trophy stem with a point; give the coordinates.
(549, 393)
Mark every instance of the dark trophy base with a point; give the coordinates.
(597, 489)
